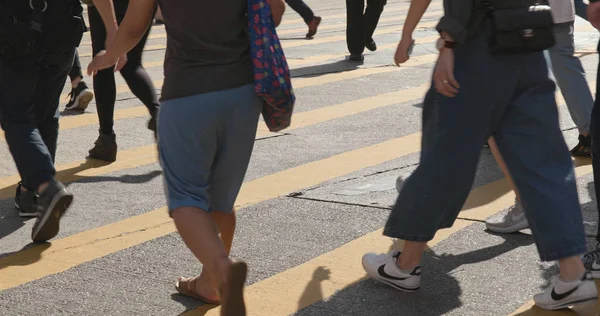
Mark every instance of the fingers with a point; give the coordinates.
(444, 82)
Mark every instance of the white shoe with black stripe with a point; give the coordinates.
(564, 294)
(383, 268)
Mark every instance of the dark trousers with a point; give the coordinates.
(76, 69)
(29, 98)
(301, 8)
(361, 23)
(134, 73)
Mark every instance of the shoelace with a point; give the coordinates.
(592, 256)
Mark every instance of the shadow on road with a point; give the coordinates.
(440, 291)
(28, 255)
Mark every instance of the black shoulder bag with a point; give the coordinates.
(520, 26)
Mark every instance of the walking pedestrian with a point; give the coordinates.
(105, 17)
(207, 126)
(80, 95)
(479, 89)
(570, 78)
(307, 14)
(34, 66)
(361, 25)
(592, 258)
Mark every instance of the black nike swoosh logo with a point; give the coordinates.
(382, 273)
(558, 297)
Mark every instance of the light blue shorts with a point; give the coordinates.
(205, 144)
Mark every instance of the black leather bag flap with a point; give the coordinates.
(523, 18)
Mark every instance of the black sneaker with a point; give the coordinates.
(26, 202)
(591, 261)
(105, 148)
(52, 205)
(81, 96)
(371, 45)
(583, 148)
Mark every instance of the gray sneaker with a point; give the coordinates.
(52, 203)
(509, 220)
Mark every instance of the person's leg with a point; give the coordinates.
(512, 218)
(372, 15)
(531, 142)
(432, 197)
(202, 175)
(571, 80)
(105, 147)
(355, 28)
(75, 74)
(32, 157)
(47, 98)
(104, 80)
(80, 92)
(302, 9)
(592, 258)
(135, 75)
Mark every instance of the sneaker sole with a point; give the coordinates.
(48, 225)
(566, 304)
(508, 230)
(376, 277)
(234, 305)
(82, 101)
(595, 274)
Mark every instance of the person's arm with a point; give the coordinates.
(457, 14)
(132, 29)
(415, 13)
(277, 10)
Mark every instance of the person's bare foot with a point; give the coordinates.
(207, 288)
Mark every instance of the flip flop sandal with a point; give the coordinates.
(183, 286)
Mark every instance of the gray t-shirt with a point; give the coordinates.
(208, 48)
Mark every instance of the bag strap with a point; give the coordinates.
(512, 4)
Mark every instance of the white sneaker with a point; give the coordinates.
(383, 268)
(508, 221)
(564, 294)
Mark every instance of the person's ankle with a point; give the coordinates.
(43, 187)
(571, 269)
(76, 82)
(403, 262)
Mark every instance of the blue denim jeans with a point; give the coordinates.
(512, 98)
(29, 98)
(570, 77)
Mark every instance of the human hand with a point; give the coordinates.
(101, 61)
(402, 51)
(443, 75)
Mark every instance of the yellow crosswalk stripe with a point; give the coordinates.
(86, 119)
(127, 159)
(39, 261)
